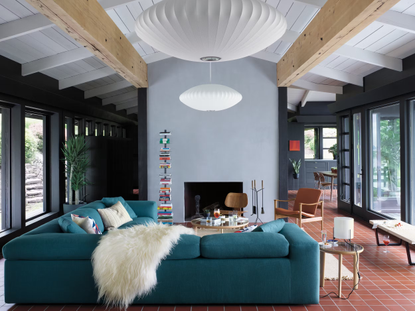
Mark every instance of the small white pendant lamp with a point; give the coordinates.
(210, 30)
(210, 97)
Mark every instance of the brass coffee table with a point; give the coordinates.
(238, 225)
(341, 249)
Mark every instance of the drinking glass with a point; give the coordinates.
(235, 215)
(216, 213)
(324, 236)
(386, 241)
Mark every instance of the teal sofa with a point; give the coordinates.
(47, 266)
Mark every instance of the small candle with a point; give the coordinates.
(262, 184)
(255, 184)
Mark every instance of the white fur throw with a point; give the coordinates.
(125, 261)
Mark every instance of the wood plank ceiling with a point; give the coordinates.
(28, 38)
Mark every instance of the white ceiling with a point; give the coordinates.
(30, 39)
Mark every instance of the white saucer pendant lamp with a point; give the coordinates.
(210, 30)
(210, 97)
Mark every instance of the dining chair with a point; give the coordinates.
(306, 204)
(316, 180)
(324, 184)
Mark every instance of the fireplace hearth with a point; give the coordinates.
(209, 192)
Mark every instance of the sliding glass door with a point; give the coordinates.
(343, 171)
(385, 161)
(357, 160)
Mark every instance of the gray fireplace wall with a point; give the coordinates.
(237, 144)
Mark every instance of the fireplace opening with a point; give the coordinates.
(210, 193)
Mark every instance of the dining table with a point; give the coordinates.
(333, 176)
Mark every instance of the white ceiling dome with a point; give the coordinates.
(222, 29)
(210, 97)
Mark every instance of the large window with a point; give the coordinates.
(319, 142)
(357, 159)
(310, 143)
(385, 183)
(34, 166)
(345, 160)
(329, 139)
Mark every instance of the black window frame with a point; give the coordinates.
(322, 140)
(316, 142)
(44, 115)
(6, 208)
(318, 137)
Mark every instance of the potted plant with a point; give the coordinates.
(296, 168)
(75, 151)
(333, 150)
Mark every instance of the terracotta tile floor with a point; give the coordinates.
(388, 283)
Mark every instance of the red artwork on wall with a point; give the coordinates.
(294, 145)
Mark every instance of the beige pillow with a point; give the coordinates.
(114, 216)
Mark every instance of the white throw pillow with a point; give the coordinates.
(86, 223)
(114, 216)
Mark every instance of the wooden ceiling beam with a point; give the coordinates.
(337, 22)
(307, 85)
(89, 24)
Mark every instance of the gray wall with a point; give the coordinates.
(237, 144)
(296, 132)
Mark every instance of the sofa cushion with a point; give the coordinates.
(248, 245)
(51, 246)
(272, 226)
(137, 221)
(90, 212)
(69, 226)
(111, 201)
(188, 247)
(114, 216)
(86, 223)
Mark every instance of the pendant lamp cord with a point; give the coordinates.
(210, 72)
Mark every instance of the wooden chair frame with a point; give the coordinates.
(299, 220)
(239, 210)
(227, 212)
